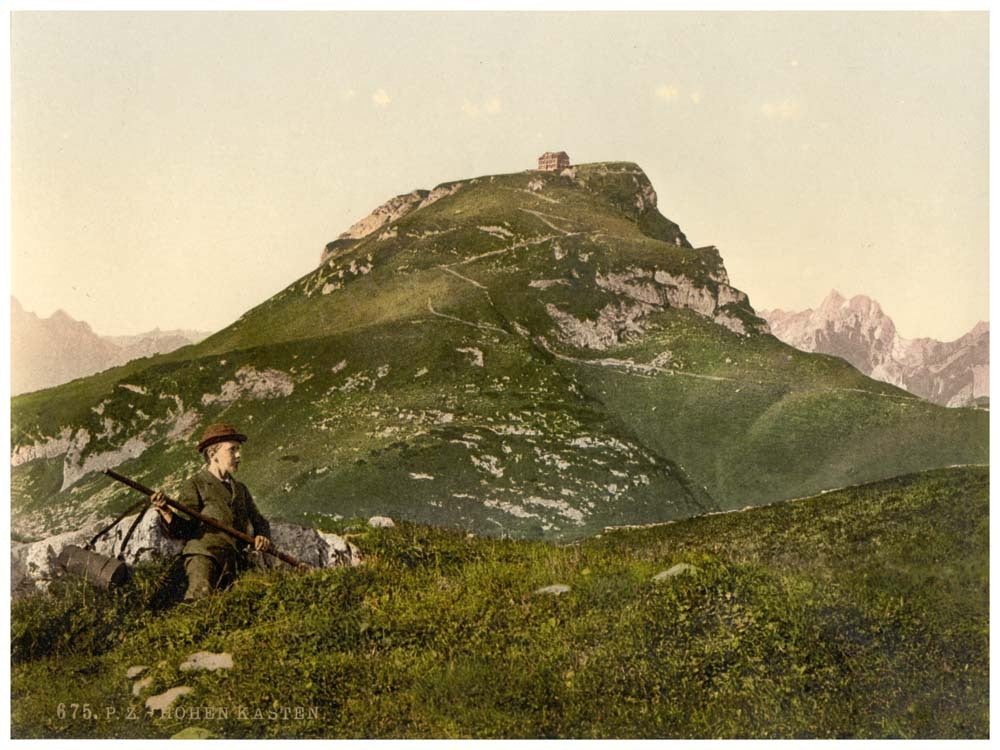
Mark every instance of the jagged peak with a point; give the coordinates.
(860, 304)
(833, 299)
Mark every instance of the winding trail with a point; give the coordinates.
(464, 278)
(482, 326)
(542, 218)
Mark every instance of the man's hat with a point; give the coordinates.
(219, 433)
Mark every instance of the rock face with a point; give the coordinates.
(953, 373)
(390, 211)
(54, 350)
(34, 565)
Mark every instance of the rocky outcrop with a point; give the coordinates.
(441, 191)
(645, 291)
(614, 324)
(390, 211)
(954, 373)
(252, 383)
(382, 218)
(34, 565)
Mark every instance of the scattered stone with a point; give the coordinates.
(163, 701)
(339, 551)
(555, 589)
(381, 522)
(675, 571)
(135, 671)
(208, 660)
(312, 547)
(141, 685)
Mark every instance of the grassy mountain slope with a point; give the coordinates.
(860, 613)
(529, 354)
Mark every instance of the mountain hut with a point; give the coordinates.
(553, 161)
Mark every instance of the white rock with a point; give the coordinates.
(148, 541)
(556, 589)
(675, 571)
(40, 560)
(310, 546)
(254, 384)
(135, 671)
(381, 522)
(207, 660)
(163, 701)
(339, 551)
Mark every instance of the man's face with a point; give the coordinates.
(227, 457)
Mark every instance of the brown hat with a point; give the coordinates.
(219, 433)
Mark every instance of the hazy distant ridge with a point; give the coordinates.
(49, 351)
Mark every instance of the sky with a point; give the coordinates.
(174, 170)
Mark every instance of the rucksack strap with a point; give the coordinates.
(131, 530)
(106, 529)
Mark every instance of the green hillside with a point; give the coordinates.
(531, 355)
(860, 613)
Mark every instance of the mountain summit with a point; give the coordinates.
(531, 354)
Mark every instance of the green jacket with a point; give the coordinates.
(208, 495)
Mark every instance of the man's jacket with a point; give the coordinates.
(208, 495)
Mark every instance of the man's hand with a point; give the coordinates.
(159, 501)
(262, 544)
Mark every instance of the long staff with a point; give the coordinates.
(203, 518)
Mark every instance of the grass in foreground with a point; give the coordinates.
(860, 613)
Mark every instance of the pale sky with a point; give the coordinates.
(177, 169)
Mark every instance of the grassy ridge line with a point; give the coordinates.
(861, 613)
(746, 508)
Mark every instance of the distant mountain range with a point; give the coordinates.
(54, 350)
(950, 373)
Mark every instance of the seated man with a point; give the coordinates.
(212, 557)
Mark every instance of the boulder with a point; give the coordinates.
(148, 541)
(163, 701)
(35, 565)
(381, 522)
(207, 660)
(315, 548)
